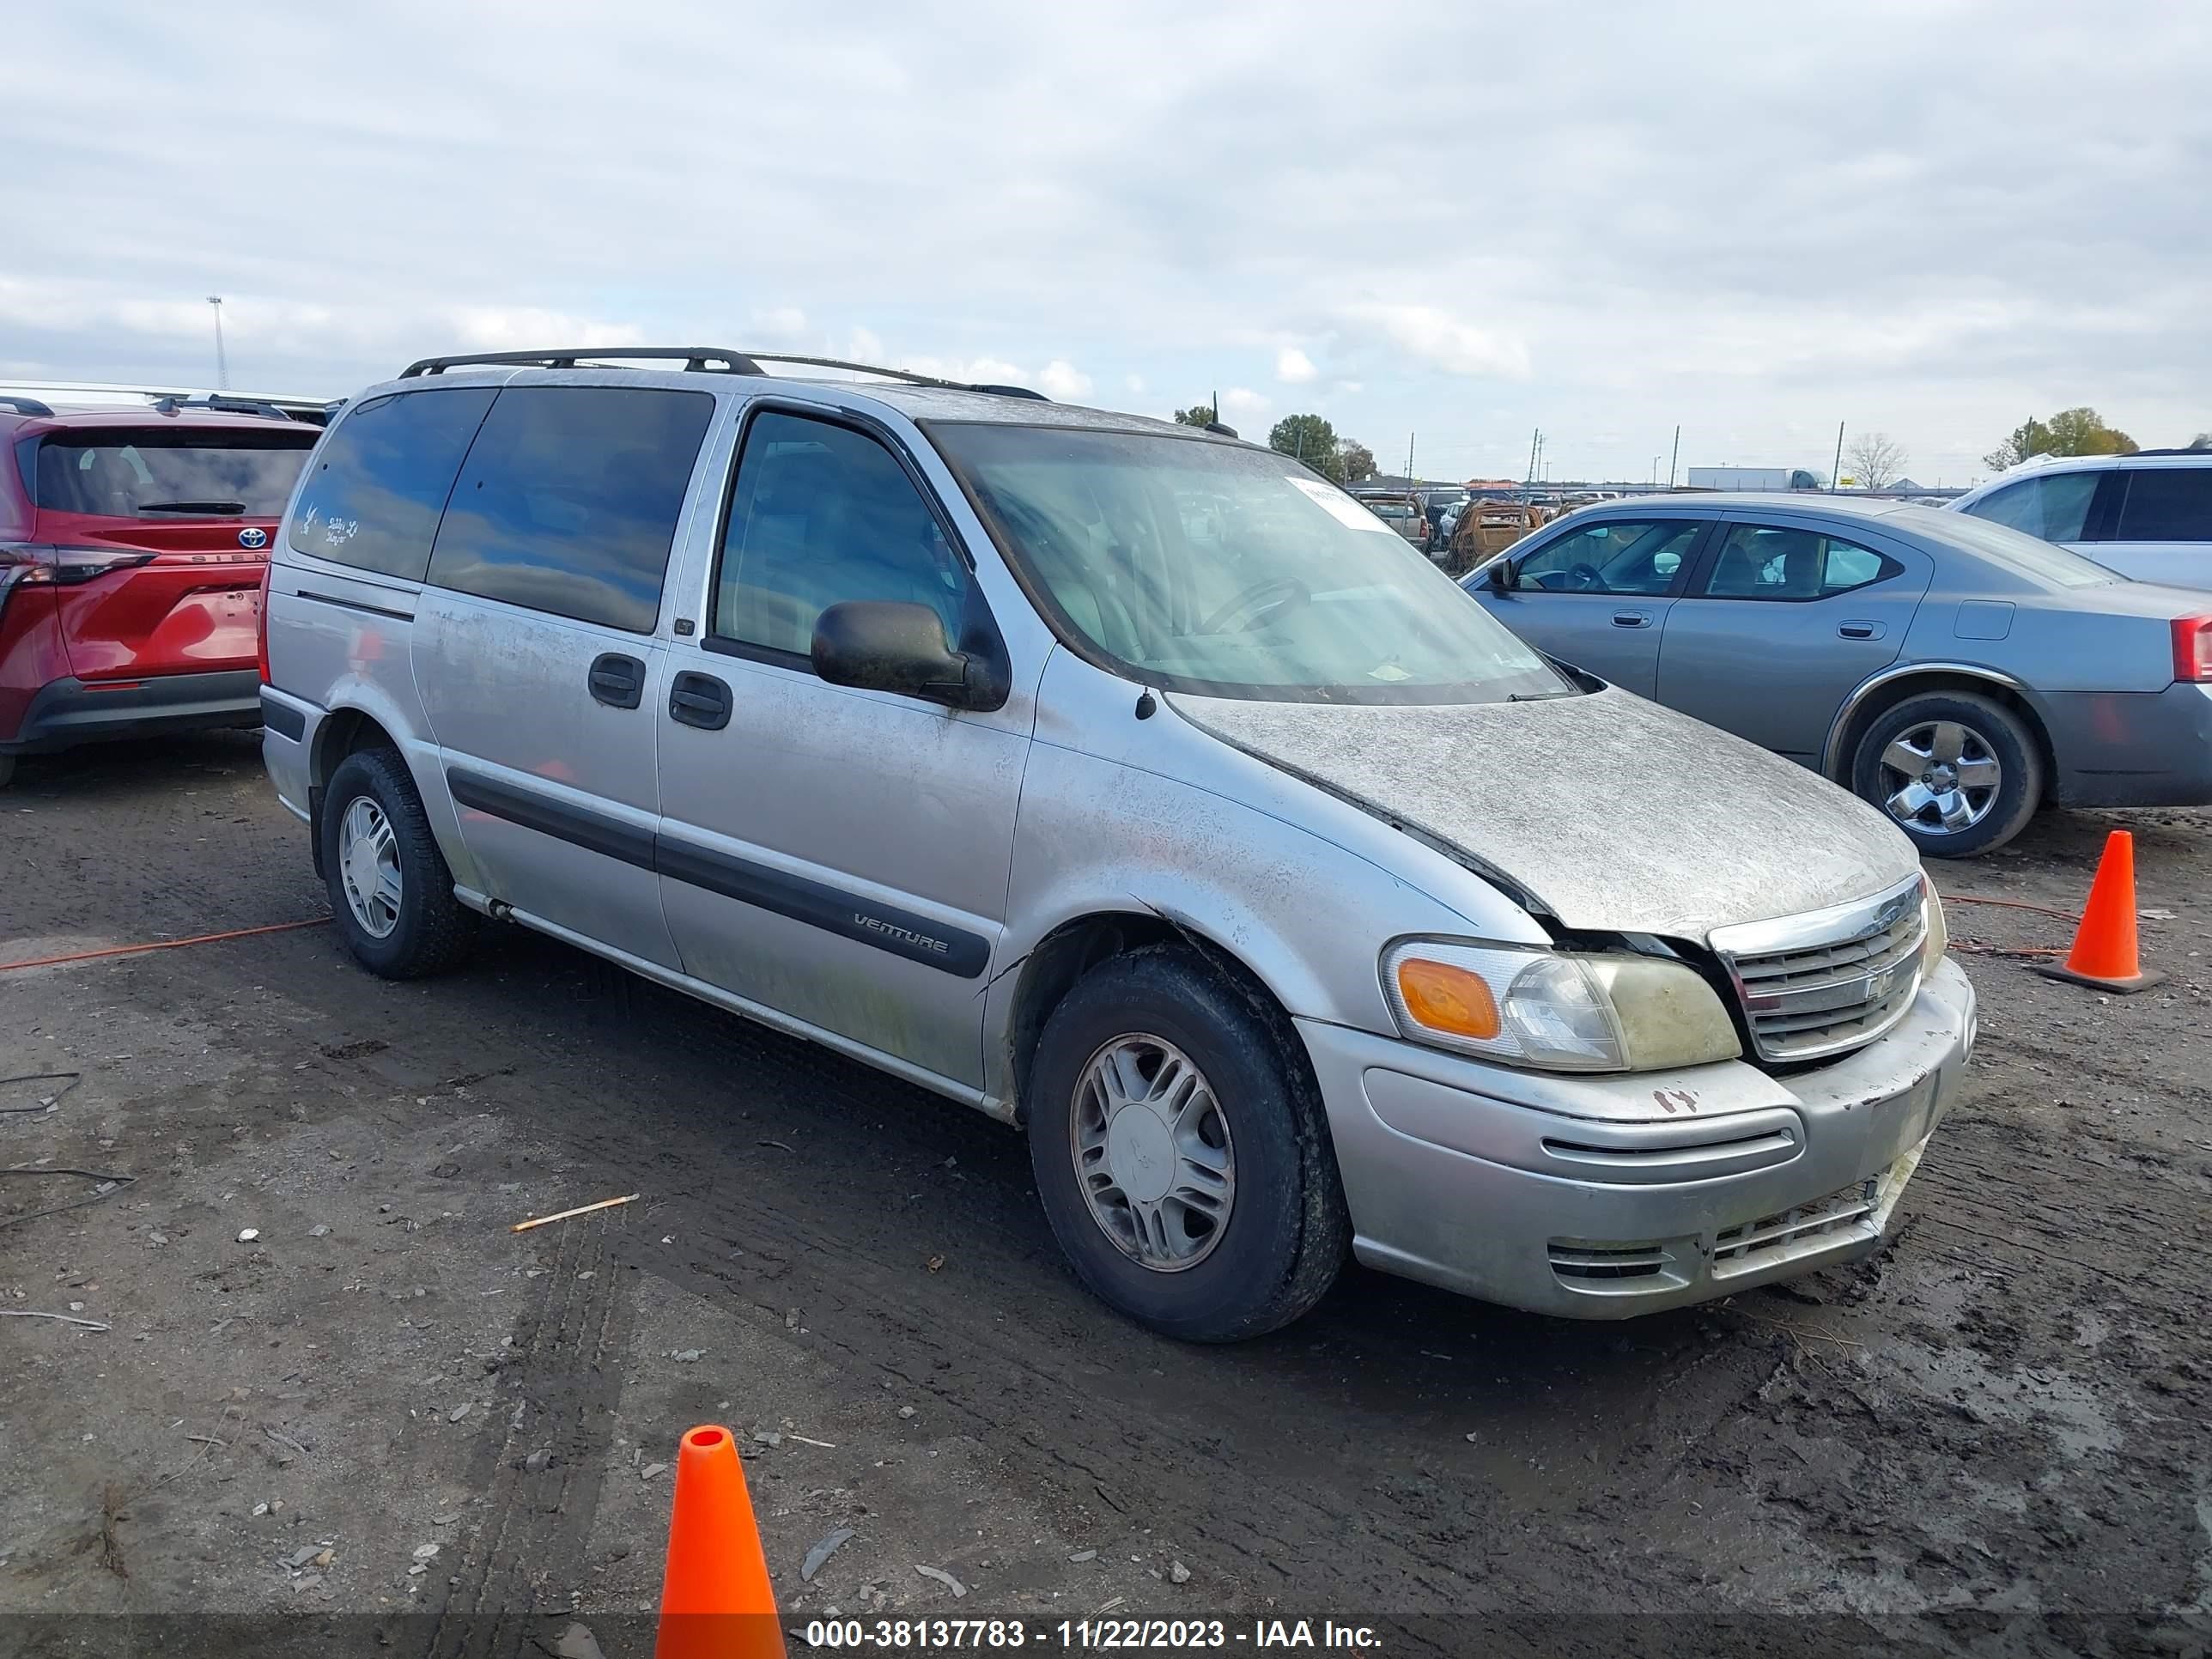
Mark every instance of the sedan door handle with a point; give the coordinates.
(699, 700)
(1631, 619)
(617, 681)
(1861, 630)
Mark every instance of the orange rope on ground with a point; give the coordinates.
(163, 944)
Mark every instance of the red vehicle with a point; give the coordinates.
(132, 545)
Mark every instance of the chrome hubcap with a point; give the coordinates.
(1153, 1153)
(1940, 777)
(368, 867)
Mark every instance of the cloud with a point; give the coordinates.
(1655, 233)
(1136, 383)
(519, 328)
(1063, 382)
(1242, 403)
(1437, 339)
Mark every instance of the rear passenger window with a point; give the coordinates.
(1764, 561)
(821, 514)
(569, 501)
(2053, 508)
(2166, 504)
(381, 479)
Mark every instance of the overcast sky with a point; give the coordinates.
(1452, 221)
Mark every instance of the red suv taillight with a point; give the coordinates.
(261, 647)
(66, 567)
(2192, 649)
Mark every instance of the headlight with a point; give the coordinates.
(1565, 1013)
(1939, 932)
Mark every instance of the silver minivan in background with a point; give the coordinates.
(1292, 906)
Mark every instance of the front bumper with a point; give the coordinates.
(1605, 1197)
(68, 711)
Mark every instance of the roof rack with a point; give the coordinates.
(2204, 450)
(696, 360)
(25, 405)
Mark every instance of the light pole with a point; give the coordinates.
(222, 367)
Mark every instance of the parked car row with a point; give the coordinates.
(1129, 783)
(1137, 786)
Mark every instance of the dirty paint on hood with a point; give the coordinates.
(1612, 812)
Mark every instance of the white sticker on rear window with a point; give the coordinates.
(1338, 505)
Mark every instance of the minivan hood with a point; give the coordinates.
(1611, 812)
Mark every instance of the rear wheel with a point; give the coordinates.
(1182, 1155)
(391, 893)
(1958, 773)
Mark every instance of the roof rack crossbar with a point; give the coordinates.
(698, 360)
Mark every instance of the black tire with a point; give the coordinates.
(1991, 730)
(434, 930)
(1286, 1235)
(7, 770)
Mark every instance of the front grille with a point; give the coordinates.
(1839, 1211)
(1839, 980)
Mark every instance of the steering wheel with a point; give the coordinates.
(1584, 579)
(1271, 594)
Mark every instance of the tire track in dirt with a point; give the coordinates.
(559, 1392)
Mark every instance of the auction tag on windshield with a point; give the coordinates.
(1339, 506)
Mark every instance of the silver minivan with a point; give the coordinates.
(1292, 906)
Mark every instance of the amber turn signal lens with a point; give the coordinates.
(1446, 998)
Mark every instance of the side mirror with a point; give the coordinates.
(893, 646)
(1500, 577)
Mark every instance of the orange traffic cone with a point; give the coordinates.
(715, 1599)
(2103, 953)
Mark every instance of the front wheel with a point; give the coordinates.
(1958, 773)
(1182, 1152)
(391, 893)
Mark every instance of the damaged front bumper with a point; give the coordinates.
(1605, 1197)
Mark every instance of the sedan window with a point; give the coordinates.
(1632, 557)
(1766, 561)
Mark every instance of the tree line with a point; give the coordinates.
(1308, 438)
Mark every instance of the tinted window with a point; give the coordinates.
(2052, 509)
(2166, 504)
(569, 498)
(174, 474)
(381, 479)
(1621, 555)
(1764, 561)
(823, 515)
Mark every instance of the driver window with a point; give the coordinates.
(1638, 557)
(822, 514)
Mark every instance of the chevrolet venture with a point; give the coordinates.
(1292, 906)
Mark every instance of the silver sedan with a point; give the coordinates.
(1954, 673)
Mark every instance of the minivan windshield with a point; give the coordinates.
(1232, 571)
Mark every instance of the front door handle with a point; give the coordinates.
(617, 681)
(1861, 630)
(699, 700)
(1631, 619)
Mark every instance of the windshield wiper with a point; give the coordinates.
(192, 507)
(1539, 697)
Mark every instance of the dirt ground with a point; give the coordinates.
(387, 1424)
